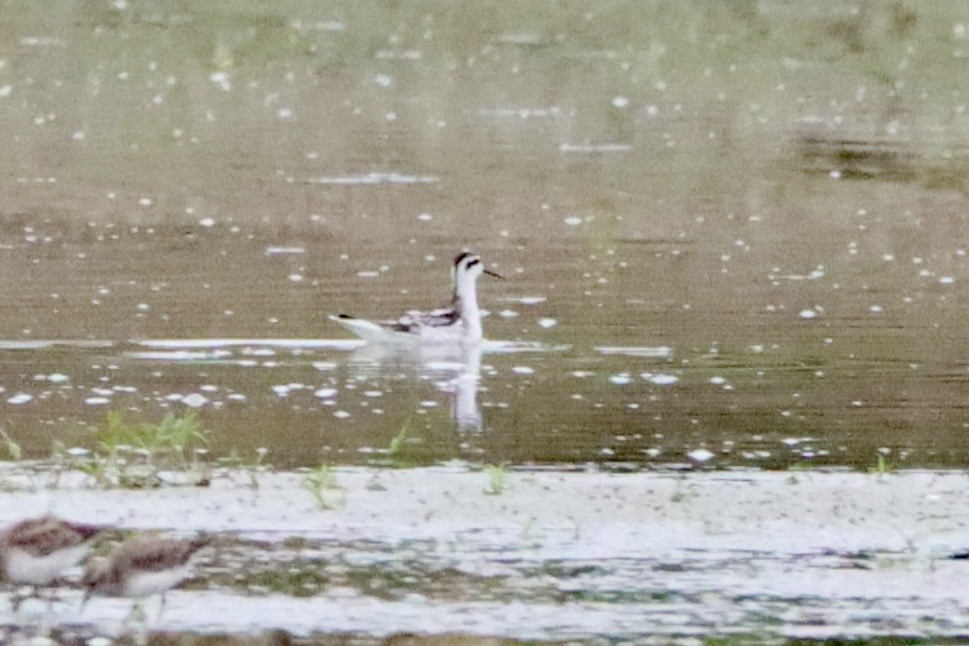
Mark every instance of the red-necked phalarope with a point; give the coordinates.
(461, 322)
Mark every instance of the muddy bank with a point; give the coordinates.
(543, 554)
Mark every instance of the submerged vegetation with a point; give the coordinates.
(322, 485)
(496, 479)
(11, 447)
(139, 455)
(882, 467)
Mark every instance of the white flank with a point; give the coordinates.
(22, 567)
(373, 333)
(143, 584)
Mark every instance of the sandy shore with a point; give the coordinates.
(848, 542)
(643, 512)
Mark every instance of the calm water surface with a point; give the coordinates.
(731, 234)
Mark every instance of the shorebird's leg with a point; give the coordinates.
(15, 600)
(134, 617)
(84, 600)
(19, 595)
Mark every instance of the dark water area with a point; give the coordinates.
(731, 234)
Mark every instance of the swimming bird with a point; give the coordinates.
(36, 551)
(142, 566)
(458, 323)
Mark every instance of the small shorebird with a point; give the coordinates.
(142, 566)
(458, 323)
(37, 550)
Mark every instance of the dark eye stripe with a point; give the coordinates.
(472, 263)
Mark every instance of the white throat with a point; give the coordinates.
(466, 302)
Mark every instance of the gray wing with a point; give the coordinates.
(412, 321)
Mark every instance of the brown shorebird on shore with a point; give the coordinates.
(142, 566)
(36, 551)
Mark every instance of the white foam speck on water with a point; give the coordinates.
(508, 314)
(660, 379)
(523, 370)
(279, 251)
(620, 379)
(526, 300)
(523, 113)
(259, 352)
(376, 178)
(582, 373)
(207, 222)
(595, 148)
(325, 393)
(398, 54)
(808, 314)
(700, 455)
(814, 274)
(368, 274)
(282, 390)
(429, 403)
(444, 366)
(573, 220)
(195, 400)
(341, 414)
(794, 441)
(547, 322)
(296, 277)
(222, 80)
(97, 401)
(718, 381)
(875, 309)
(946, 280)
(77, 452)
(55, 378)
(658, 352)
(178, 355)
